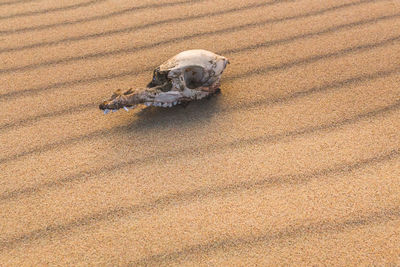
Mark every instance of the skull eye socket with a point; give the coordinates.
(194, 77)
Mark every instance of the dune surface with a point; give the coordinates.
(296, 162)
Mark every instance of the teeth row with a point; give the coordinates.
(160, 104)
(156, 104)
(106, 111)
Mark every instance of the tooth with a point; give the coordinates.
(165, 105)
(106, 111)
(170, 105)
(126, 108)
(114, 110)
(148, 104)
(176, 102)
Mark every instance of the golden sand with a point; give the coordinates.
(297, 162)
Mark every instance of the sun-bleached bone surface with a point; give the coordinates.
(188, 76)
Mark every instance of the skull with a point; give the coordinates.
(190, 75)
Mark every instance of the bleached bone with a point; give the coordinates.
(188, 76)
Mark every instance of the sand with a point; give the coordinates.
(297, 162)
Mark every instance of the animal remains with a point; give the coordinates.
(188, 76)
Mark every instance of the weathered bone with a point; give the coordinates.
(188, 76)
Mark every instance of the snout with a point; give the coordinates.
(112, 104)
(105, 105)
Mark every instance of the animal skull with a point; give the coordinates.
(190, 75)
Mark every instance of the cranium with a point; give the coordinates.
(190, 75)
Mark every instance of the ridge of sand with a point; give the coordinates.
(297, 162)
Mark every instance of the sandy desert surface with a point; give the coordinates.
(297, 162)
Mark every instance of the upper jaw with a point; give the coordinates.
(107, 104)
(119, 100)
(111, 104)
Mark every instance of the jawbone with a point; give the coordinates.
(150, 97)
